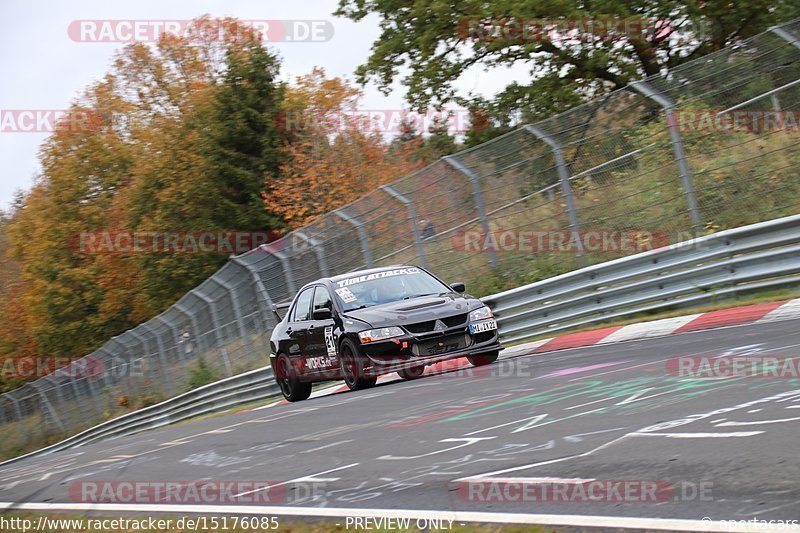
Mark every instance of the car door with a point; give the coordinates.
(320, 345)
(297, 327)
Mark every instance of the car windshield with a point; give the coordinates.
(387, 286)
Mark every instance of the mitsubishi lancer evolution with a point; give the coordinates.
(358, 326)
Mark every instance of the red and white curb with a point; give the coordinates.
(750, 314)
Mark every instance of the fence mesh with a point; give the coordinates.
(712, 145)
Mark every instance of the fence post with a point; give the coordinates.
(362, 235)
(261, 290)
(285, 266)
(566, 187)
(477, 196)
(786, 35)
(46, 404)
(318, 250)
(412, 217)
(153, 371)
(677, 148)
(162, 354)
(18, 412)
(237, 312)
(216, 324)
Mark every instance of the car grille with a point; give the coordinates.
(440, 345)
(429, 326)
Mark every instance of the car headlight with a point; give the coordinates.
(380, 334)
(482, 313)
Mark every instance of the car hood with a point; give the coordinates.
(416, 310)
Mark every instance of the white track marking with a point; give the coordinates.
(670, 524)
(534, 419)
(758, 422)
(790, 309)
(643, 330)
(327, 446)
(305, 479)
(530, 480)
(699, 435)
(464, 442)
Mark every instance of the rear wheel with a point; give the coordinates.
(483, 359)
(352, 366)
(412, 373)
(291, 388)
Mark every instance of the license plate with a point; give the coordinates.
(480, 327)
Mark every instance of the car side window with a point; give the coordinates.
(302, 306)
(322, 299)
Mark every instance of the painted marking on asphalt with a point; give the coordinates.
(313, 478)
(758, 422)
(579, 369)
(614, 522)
(534, 418)
(327, 446)
(464, 442)
(530, 480)
(699, 435)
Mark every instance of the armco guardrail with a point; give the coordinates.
(251, 386)
(693, 272)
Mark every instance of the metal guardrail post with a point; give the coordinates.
(477, 196)
(145, 352)
(193, 319)
(362, 235)
(217, 333)
(125, 382)
(566, 187)
(264, 302)
(786, 35)
(285, 265)
(18, 412)
(162, 353)
(237, 312)
(318, 250)
(412, 217)
(677, 148)
(47, 405)
(60, 394)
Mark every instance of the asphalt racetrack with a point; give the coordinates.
(472, 439)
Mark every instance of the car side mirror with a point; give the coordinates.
(322, 314)
(458, 287)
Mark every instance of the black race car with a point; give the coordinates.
(360, 325)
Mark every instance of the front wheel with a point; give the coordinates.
(291, 388)
(483, 359)
(352, 367)
(412, 373)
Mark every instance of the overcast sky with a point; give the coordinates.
(44, 68)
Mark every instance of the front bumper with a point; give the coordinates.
(409, 351)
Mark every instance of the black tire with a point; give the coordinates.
(483, 359)
(291, 388)
(413, 372)
(352, 367)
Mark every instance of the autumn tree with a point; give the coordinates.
(333, 155)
